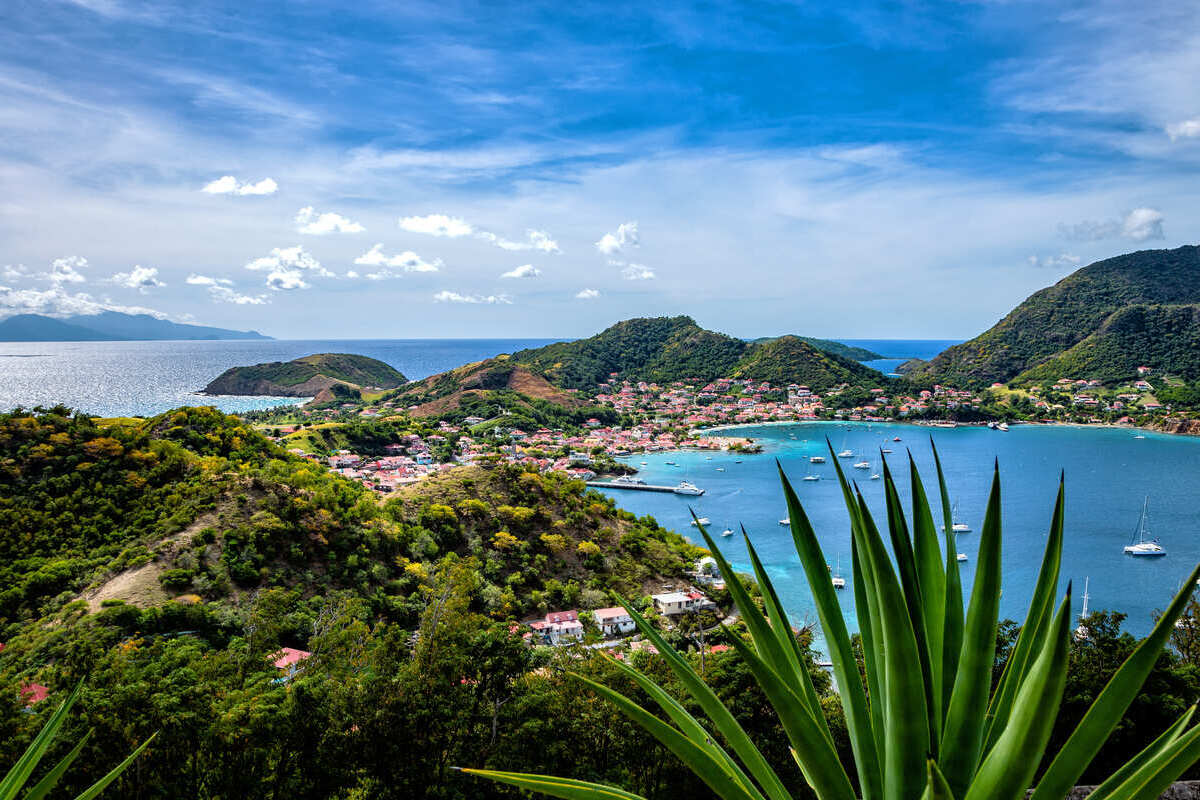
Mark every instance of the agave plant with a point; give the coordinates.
(927, 724)
(19, 775)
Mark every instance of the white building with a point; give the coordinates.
(613, 621)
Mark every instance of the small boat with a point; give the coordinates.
(1003, 426)
(962, 556)
(727, 532)
(1082, 632)
(955, 525)
(991, 426)
(708, 458)
(875, 476)
(845, 454)
(701, 521)
(1138, 436)
(811, 477)
(816, 460)
(785, 521)
(643, 463)
(864, 464)
(720, 469)
(669, 463)
(885, 450)
(1144, 547)
(688, 488)
(737, 461)
(895, 438)
(628, 480)
(837, 580)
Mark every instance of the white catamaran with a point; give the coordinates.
(1144, 546)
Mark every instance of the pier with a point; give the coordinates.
(639, 487)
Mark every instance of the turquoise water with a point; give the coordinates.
(1108, 475)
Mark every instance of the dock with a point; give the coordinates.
(638, 487)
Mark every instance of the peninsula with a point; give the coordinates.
(322, 376)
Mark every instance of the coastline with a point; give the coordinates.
(935, 423)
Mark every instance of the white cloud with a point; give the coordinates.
(227, 184)
(309, 221)
(204, 280)
(587, 294)
(286, 268)
(16, 272)
(523, 271)
(1062, 260)
(535, 240)
(219, 291)
(408, 261)
(140, 278)
(66, 270)
(625, 236)
(1188, 129)
(437, 225)
(1139, 225)
(1142, 224)
(55, 302)
(455, 297)
(637, 272)
(455, 227)
(350, 273)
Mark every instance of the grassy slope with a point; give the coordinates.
(1059, 317)
(354, 369)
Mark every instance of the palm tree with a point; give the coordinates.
(926, 725)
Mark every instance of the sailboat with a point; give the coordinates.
(838, 581)
(862, 463)
(1144, 547)
(956, 526)
(844, 452)
(1081, 632)
(727, 532)
(812, 477)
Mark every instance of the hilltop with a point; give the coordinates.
(109, 326)
(321, 375)
(1100, 322)
(658, 349)
(842, 349)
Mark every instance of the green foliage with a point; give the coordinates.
(353, 369)
(927, 720)
(1081, 306)
(829, 346)
(665, 349)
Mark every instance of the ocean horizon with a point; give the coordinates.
(123, 379)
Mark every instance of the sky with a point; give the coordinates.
(448, 169)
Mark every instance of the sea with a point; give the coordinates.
(121, 379)
(1109, 473)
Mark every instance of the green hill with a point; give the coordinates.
(1056, 319)
(307, 376)
(829, 346)
(664, 349)
(1165, 338)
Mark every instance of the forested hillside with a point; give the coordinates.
(1059, 317)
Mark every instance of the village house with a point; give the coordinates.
(672, 604)
(613, 621)
(558, 627)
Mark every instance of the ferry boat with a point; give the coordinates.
(1144, 547)
(816, 460)
(688, 488)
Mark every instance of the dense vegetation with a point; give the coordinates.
(404, 603)
(666, 349)
(1083, 304)
(829, 346)
(1165, 338)
(282, 377)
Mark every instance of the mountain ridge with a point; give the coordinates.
(111, 326)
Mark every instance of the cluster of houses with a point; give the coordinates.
(564, 627)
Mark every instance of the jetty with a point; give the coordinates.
(638, 487)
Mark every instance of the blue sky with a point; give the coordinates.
(454, 169)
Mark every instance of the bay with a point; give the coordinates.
(1108, 475)
(145, 378)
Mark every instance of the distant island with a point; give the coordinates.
(110, 326)
(829, 346)
(323, 376)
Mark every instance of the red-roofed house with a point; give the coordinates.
(613, 621)
(289, 660)
(559, 627)
(33, 693)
